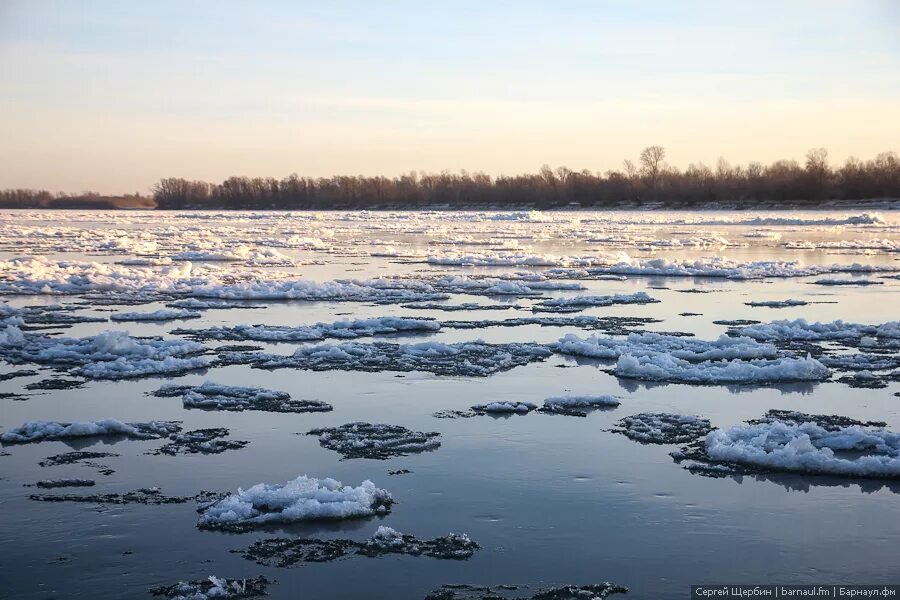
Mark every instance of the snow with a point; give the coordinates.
(851, 451)
(302, 499)
(666, 367)
(158, 315)
(39, 431)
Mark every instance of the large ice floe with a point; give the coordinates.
(787, 441)
(680, 347)
(802, 330)
(665, 367)
(726, 360)
(512, 259)
(476, 359)
(302, 499)
(375, 440)
(319, 331)
(287, 552)
(582, 302)
(213, 587)
(107, 355)
(216, 396)
(41, 275)
(163, 314)
(719, 267)
(39, 431)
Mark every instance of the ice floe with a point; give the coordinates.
(65, 482)
(475, 359)
(197, 304)
(839, 282)
(719, 267)
(213, 587)
(107, 355)
(79, 457)
(578, 405)
(504, 407)
(287, 552)
(162, 314)
(378, 441)
(151, 496)
(215, 396)
(663, 428)
(777, 303)
(803, 330)
(814, 444)
(668, 368)
(679, 347)
(319, 331)
(461, 591)
(39, 431)
(590, 301)
(302, 499)
(200, 441)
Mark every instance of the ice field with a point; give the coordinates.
(371, 405)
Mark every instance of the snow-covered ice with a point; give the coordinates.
(663, 428)
(39, 431)
(319, 331)
(163, 314)
(851, 451)
(301, 499)
(107, 355)
(668, 368)
(579, 403)
(476, 359)
(215, 396)
(375, 440)
(679, 347)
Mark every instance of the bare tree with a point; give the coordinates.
(652, 158)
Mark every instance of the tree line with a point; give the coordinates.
(647, 181)
(25, 198)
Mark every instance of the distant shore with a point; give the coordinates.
(889, 204)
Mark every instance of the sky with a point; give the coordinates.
(112, 96)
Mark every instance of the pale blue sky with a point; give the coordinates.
(113, 95)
